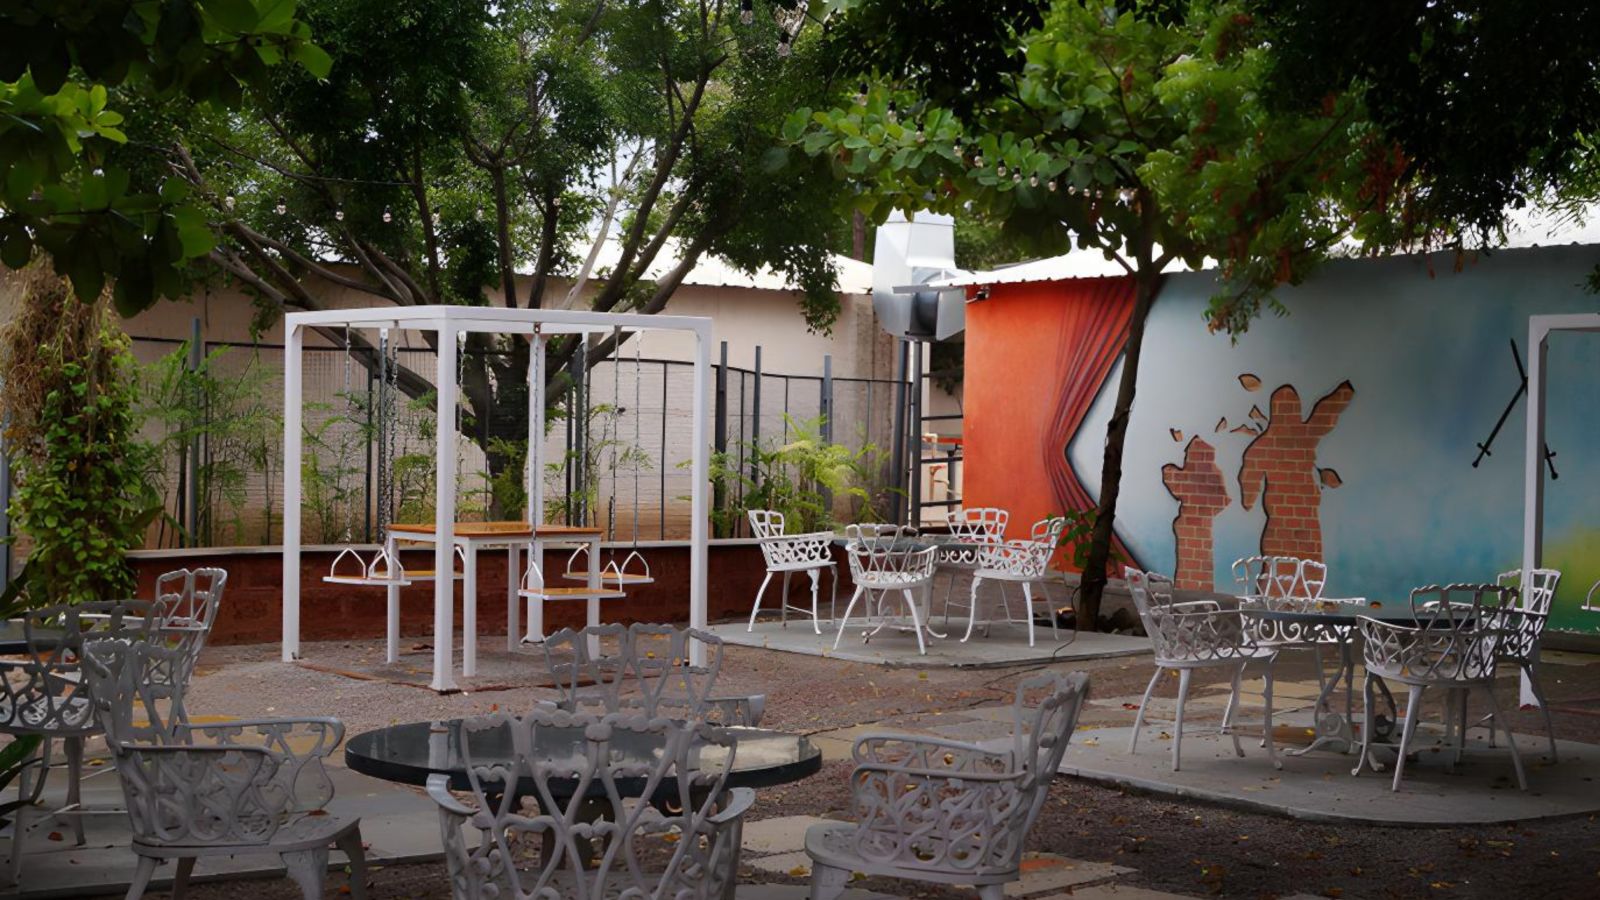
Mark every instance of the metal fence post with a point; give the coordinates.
(719, 438)
(825, 407)
(897, 455)
(914, 433)
(191, 516)
(755, 423)
(5, 504)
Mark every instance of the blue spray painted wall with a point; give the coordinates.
(1431, 365)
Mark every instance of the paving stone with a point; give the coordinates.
(1007, 646)
(785, 834)
(797, 864)
(798, 892)
(1115, 891)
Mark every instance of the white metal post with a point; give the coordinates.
(444, 582)
(291, 491)
(535, 630)
(697, 504)
(1533, 469)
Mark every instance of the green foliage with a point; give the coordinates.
(606, 455)
(64, 192)
(794, 478)
(239, 428)
(331, 469)
(1078, 537)
(81, 499)
(1140, 133)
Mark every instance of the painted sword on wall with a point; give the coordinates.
(1483, 447)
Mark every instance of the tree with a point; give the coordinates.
(1140, 132)
(457, 143)
(62, 69)
(1492, 105)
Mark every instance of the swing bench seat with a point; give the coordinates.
(364, 581)
(571, 593)
(617, 578)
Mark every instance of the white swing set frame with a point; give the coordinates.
(449, 322)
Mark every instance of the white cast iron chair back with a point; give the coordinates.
(185, 609)
(43, 694)
(971, 527)
(646, 669)
(1190, 635)
(1022, 562)
(1521, 629)
(216, 789)
(1288, 584)
(787, 554)
(948, 812)
(884, 563)
(1454, 645)
(599, 824)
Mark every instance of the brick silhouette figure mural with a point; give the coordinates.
(1202, 492)
(1280, 470)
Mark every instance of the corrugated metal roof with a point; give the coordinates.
(855, 277)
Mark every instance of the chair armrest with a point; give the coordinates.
(439, 791)
(928, 753)
(740, 799)
(1195, 606)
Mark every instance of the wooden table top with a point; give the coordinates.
(497, 529)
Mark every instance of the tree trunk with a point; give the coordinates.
(1094, 571)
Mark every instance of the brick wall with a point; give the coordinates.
(1280, 469)
(252, 607)
(1201, 492)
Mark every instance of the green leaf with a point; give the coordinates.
(233, 16)
(193, 231)
(313, 58)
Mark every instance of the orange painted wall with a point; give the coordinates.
(1036, 354)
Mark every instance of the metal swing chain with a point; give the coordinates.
(349, 406)
(388, 430)
(616, 407)
(638, 437)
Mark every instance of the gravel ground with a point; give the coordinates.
(1181, 847)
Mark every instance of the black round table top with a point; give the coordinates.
(409, 753)
(14, 637)
(1344, 613)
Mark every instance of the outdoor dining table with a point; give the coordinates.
(409, 753)
(15, 637)
(1333, 621)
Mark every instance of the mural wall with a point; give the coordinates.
(1345, 431)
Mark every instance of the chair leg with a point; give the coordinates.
(827, 882)
(783, 605)
(1177, 728)
(754, 611)
(1266, 719)
(833, 596)
(351, 845)
(24, 811)
(949, 588)
(1368, 720)
(972, 610)
(74, 752)
(916, 622)
(1027, 609)
(1511, 740)
(1138, 717)
(1544, 707)
(1232, 707)
(844, 622)
(141, 877)
(816, 584)
(1050, 610)
(1413, 710)
(308, 869)
(180, 878)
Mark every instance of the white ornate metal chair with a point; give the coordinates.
(946, 812)
(1283, 584)
(185, 608)
(610, 837)
(43, 694)
(969, 529)
(787, 554)
(645, 668)
(1190, 635)
(248, 786)
(1018, 562)
(1454, 646)
(1523, 626)
(884, 561)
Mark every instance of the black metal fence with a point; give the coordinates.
(218, 430)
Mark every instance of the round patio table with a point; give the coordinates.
(409, 753)
(14, 637)
(1333, 621)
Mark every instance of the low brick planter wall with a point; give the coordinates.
(252, 607)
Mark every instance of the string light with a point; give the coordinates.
(228, 202)
(1016, 178)
(890, 113)
(338, 214)
(1033, 181)
(861, 94)
(282, 207)
(783, 44)
(1052, 184)
(478, 215)
(387, 216)
(747, 15)
(1000, 170)
(978, 160)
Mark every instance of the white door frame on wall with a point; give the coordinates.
(1539, 328)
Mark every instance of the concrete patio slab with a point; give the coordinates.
(397, 824)
(785, 834)
(1041, 872)
(1007, 645)
(1115, 891)
(1319, 786)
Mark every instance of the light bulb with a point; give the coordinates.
(478, 215)
(747, 16)
(978, 160)
(388, 216)
(339, 214)
(1017, 178)
(1052, 184)
(282, 207)
(920, 136)
(890, 113)
(1033, 181)
(228, 201)
(1000, 170)
(783, 48)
